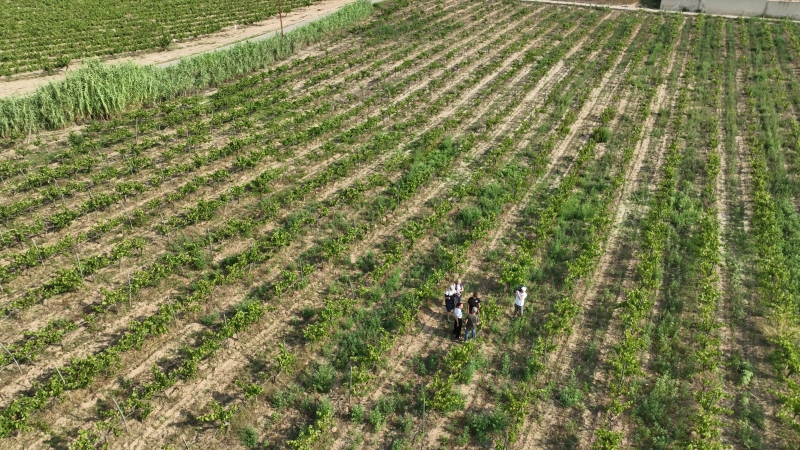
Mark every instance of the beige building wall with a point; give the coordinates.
(748, 8)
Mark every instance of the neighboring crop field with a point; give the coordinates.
(263, 265)
(47, 35)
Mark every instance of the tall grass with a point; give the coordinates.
(98, 89)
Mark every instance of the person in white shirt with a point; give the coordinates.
(459, 321)
(519, 300)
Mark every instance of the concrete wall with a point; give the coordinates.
(680, 5)
(748, 8)
(734, 7)
(784, 9)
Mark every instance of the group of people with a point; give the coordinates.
(453, 305)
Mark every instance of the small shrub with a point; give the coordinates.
(571, 394)
(308, 405)
(389, 404)
(75, 139)
(375, 294)
(608, 115)
(463, 438)
(286, 397)
(209, 319)
(469, 216)
(376, 419)
(406, 423)
(62, 61)
(324, 407)
(601, 135)
(469, 369)
(485, 423)
(321, 379)
(248, 436)
(401, 444)
(749, 410)
(505, 365)
(308, 312)
(590, 352)
(368, 262)
(744, 369)
(164, 41)
(357, 414)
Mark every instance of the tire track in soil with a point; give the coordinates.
(752, 332)
(722, 204)
(562, 361)
(565, 358)
(600, 377)
(605, 347)
(152, 307)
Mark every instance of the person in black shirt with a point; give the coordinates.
(474, 302)
(449, 301)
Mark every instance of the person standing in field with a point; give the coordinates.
(449, 300)
(472, 324)
(474, 302)
(459, 289)
(519, 300)
(459, 321)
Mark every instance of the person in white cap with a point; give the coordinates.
(519, 300)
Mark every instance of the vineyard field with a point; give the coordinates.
(262, 262)
(44, 37)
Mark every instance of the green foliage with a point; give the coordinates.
(320, 378)
(608, 115)
(251, 390)
(164, 41)
(469, 216)
(248, 437)
(607, 439)
(406, 423)
(601, 135)
(376, 419)
(749, 422)
(368, 262)
(505, 365)
(219, 414)
(311, 433)
(75, 139)
(484, 424)
(743, 369)
(95, 88)
(308, 312)
(209, 319)
(357, 414)
(571, 394)
(661, 412)
(286, 397)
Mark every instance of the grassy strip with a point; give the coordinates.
(98, 89)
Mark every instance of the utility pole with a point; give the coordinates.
(280, 14)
